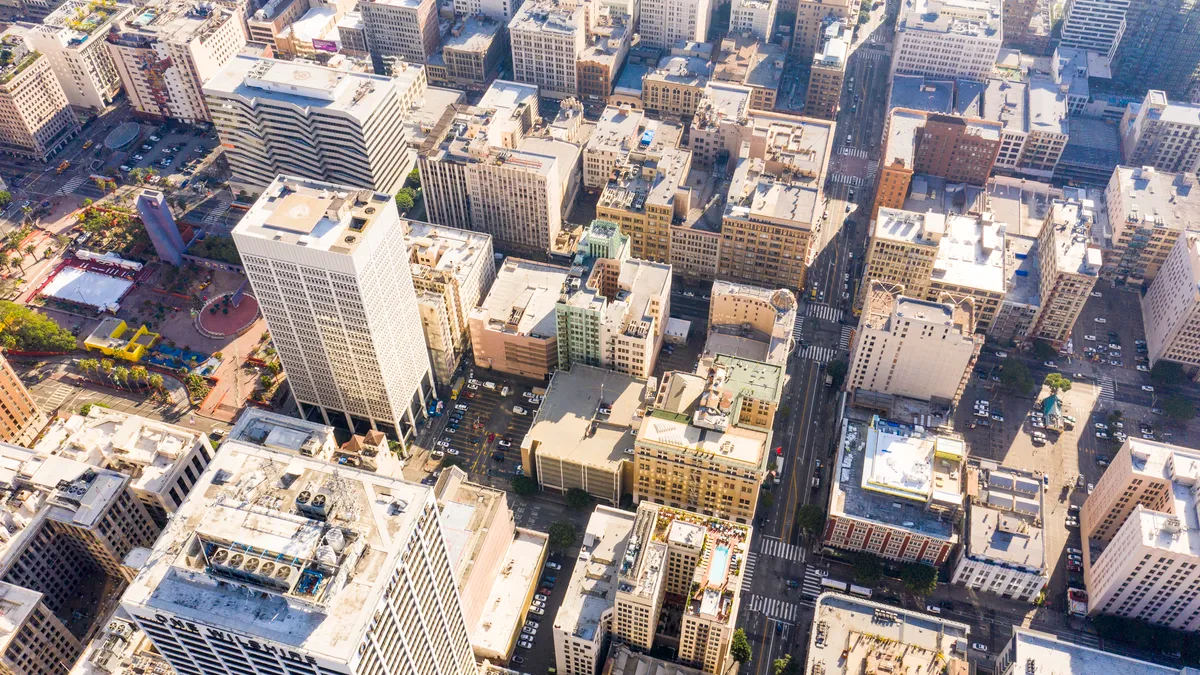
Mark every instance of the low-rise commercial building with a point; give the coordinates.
(169, 50)
(1004, 548)
(913, 348)
(297, 118)
(602, 60)
(753, 63)
(515, 330)
(896, 491)
(1141, 553)
(452, 272)
(1148, 210)
(674, 88)
(751, 322)
(1162, 134)
(35, 115)
(705, 443)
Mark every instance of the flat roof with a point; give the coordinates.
(681, 69)
(472, 34)
(880, 638)
(591, 592)
(753, 378)
(976, 18)
(746, 447)
(523, 298)
(916, 92)
(1021, 204)
(313, 214)
(615, 130)
(1147, 194)
(909, 227)
(249, 504)
(505, 604)
(568, 426)
(1023, 270)
(1005, 519)
(1073, 250)
(971, 254)
(441, 250)
(1049, 654)
(1006, 102)
(900, 142)
(547, 16)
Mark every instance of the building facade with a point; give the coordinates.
(35, 120)
(1171, 308)
(515, 329)
(1162, 134)
(20, 418)
(400, 31)
(1069, 267)
(948, 38)
(1159, 48)
(1094, 25)
(344, 318)
(1148, 210)
(77, 51)
(665, 23)
(547, 38)
(812, 18)
(828, 73)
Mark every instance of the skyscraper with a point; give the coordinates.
(1160, 48)
(20, 419)
(1094, 25)
(326, 263)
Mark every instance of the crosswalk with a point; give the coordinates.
(852, 181)
(71, 185)
(216, 214)
(818, 354)
(780, 549)
(811, 585)
(774, 608)
(844, 340)
(872, 55)
(56, 399)
(854, 152)
(798, 327)
(1108, 390)
(822, 311)
(748, 571)
(872, 170)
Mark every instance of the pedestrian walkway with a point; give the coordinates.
(844, 340)
(852, 181)
(780, 549)
(824, 312)
(872, 170)
(854, 152)
(798, 327)
(71, 185)
(774, 608)
(818, 354)
(748, 571)
(216, 214)
(811, 585)
(1108, 390)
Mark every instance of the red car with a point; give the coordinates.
(491, 437)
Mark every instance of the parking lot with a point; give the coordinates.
(173, 155)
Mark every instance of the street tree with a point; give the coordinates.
(578, 499)
(739, 647)
(524, 486)
(785, 666)
(1167, 373)
(1016, 378)
(562, 535)
(918, 578)
(811, 518)
(868, 569)
(1057, 382)
(1178, 408)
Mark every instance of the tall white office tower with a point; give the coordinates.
(283, 564)
(1094, 25)
(327, 265)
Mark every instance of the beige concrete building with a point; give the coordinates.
(751, 322)
(33, 640)
(828, 72)
(584, 620)
(269, 21)
(683, 555)
(705, 443)
(470, 54)
(400, 30)
(169, 50)
(1004, 547)
(547, 38)
(1141, 556)
(77, 51)
(1147, 210)
(618, 132)
(1069, 267)
(583, 434)
(642, 197)
(35, 120)
(675, 86)
(1064, 655)
(913, 348)
(899, 492)
(452, 272)
(754, 63)
(163, 461)
(1162, 134)
(20, 419)
(496, 564)
(1171, 308)
(776, 198)
(717, 128)
(514, 330)
(120, 648)
(663, 24)
(948, 38)
(811, 18)
(902, 250)
(623, 661)
(755, 18)
(601, 62)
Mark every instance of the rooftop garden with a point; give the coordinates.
(91, 16)
(15, 57)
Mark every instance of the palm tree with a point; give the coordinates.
(31, 251)
(156, 380)
(120, 375)
(139, 373)
(106, 366)
(88, 365)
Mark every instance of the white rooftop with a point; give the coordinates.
(592, 589)
(1048, 654)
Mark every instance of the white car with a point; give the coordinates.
(1101, 435)
(451, 451)
(1090, 488)
(539, 603)
(1146, 387)
(489, 385)
(504, 444)
(529, 630)
(525, 644)
(443, 444)
(472, 386)
(537, 610)
(540, 597)
(979, 647)
(527, 394)
(126, 168)
(519, 410)
(1142, 369)
(1101, 426)
(1050, 364)
(460, 406)
(1089, 338)
(1002, 355)
(1097, 294)
(1100, 319)
(553, 565)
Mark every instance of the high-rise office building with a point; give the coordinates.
(323, 262)
(547, 38)
(33, 641)
(1017, 14)
(1094, 25)
(77, 50)
(1171, 308)
(35, 116)
(169, 49)
(400, 30)
(1148, 210)
(1068, 265)
(753, 17)
(828, 72)
(948, 38)
(1162, 134)
(666, 23)
(1160, 47)
(812, 17)
(301, 119)
(20, 419)
(285, 563)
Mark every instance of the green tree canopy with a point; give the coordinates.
(414, 177)
(1044, 351)
(453, 460)
(1179, 408)
(216, 247)
(523, 485)
(785, 666)
(918, 578)
(837, 370)
(404, 202)
(578, 498)
(5, 198)
(1167, 373)
(811, 518)
(868, 569)
(739, 647)
(24, 330)
(765, 499)
(1016, 378)
(562, 535)
(1057, 382)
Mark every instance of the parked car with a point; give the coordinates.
(1100, 319)
(551, 565)
(519, 410)
(1146, 387)
(979, 647)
